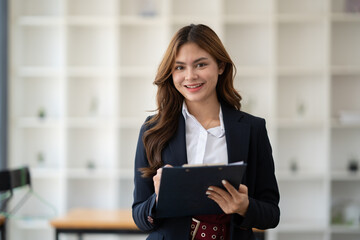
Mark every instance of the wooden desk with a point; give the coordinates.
(90, 221)
(2, 227)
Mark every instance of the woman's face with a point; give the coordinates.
(195, 74)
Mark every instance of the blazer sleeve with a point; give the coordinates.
(144, 203)
(263, 211)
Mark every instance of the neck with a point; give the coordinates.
(204, 112)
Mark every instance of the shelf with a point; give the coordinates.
(345, 176)
(42, 173)
(345, 229)
(300, 18)
(300, 123)
(302, 227)
(90, 174)
(41, 21)
(345, 17)
(247, 19)
(32, 122)
(299, 176)
(300, 71)
(345, 70)
(36, 71)
(90, 122)
(91, 21)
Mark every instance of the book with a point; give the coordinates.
(183, 189)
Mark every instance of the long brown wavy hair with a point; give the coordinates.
(169, 101)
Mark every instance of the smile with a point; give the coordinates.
(194, 86)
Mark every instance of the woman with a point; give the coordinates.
(199, 121)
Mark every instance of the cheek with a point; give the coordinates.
(176, 79)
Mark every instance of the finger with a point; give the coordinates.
(219, 194)
(230, 188)
(168, 165)
(243, 189)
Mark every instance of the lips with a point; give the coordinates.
(193, 86)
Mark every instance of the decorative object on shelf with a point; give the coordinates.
(353, 165)
(90, 164)
(147, 8)
(352, 6)
(40, 159)
(94, 106)
(300, 108)
(352, 214)
(294, 165)
(41, 113)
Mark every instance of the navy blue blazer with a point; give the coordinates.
(247, 140)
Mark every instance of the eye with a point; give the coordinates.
(179, 67)
(200, 65)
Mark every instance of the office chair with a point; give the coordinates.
(10, 180)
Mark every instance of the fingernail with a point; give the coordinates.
(210, 188)
(208, 193)
(223, 182)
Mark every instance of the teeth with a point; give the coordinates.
(194, 86)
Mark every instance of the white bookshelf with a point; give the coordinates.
(81, 74)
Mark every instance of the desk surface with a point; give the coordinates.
(95, 219)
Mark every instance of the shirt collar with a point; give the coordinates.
(216, 132)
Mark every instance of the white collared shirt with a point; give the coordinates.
(204, 146)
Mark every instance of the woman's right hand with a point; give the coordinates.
(157, 179)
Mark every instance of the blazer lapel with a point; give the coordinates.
(237, 134)
(177, 144)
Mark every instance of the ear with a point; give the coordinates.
(221, 68)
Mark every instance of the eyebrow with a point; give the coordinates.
(196, 61)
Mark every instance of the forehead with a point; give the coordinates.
(191, 51)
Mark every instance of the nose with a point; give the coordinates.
(191, 74)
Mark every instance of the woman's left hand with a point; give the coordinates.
(232, 200)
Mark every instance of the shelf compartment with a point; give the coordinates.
(247, 7)
(302, 98)
(309, 38)
(128, 139)
(304, 7)
(41, 46)
(91, 148)
(195, 8)
(141, 46)
(42, 148)
(299, 212)
(134, 100)
(344, 36)
(91, 7)
(91, 97)
(144, 8)
(125, 193)
(41, 7)
(91, 46)
(345, 7)
(91, 193)
(344, 146)
(41, 98)
(301, 150)
(249, 45)
(345, 204)
(255, 93)
(344, 97)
